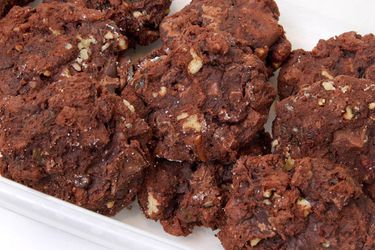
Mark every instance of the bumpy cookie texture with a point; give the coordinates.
(205, 99)
(77, 140)
(348, 54)
(334, 119)
(6, 5)
(307, 204)
(37, 46)
(183, 195)
(250, 24)
(138, 19)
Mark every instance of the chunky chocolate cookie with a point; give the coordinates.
(252, 25)
(38, 46)
(6, 5)
(138, 19)
(206, 99)
(305, 204)
(333, 119)
(64, 130)
(348, 54)
(183, 195)
(75, 139)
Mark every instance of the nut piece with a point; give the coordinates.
(192, 122)
(137, 14)
(182, 116)
(152, 205)
(305, 205)
(196, 64)
(321, 101)
(68, 46)
(122, 44)
(110, 204)
(255, 242)
(326, 74)
(129, 106)
(109, 35)
(328, 85)
(77, 67)
(86, 43)
(348, 115)
(371, 106)
(289, 164)
(326, 244)
(267, 193)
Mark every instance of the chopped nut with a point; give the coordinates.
(110, 204)
(348, 115)
(122, 43)
(137, 14)
(66, 73)
(77, 67)
(305, 205)
(86, 43)
(326, 244)
(128, 125)
(18, 47)
(328, 85)
(344, 89)
(109, 35)
(192, 122)
(371, 106)
(196, 64)
(267, 202)
(105, 46)
(321, 101)
(267, 193)
(162, 91)
(129, 106)
(208, 204)
(154, 94)
(274, 144)
(152, 205)
(326, 74)
(289, 164)
(47, 73)
(84, 54)
(182, 116)
(255, 242)
(68, 46)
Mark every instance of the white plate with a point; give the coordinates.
(305, 22)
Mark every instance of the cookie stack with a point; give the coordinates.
(183, 129)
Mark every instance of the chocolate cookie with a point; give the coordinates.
(348, 54)
(206, 99)
(332, 119)
(310, 204)
(64, 130)
(38, 46)
(6, 5)
(183, 195)
(252, 25)
(138, 19)
(77, 140)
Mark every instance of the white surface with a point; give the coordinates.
(305, 22)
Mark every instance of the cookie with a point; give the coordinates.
(37, 46)
(332, 119)
(138, 19)
(252, 25)
(348, 54)
(183, 195)
(6, 5)
(64, 129)
(311, 204)
(205, 99)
